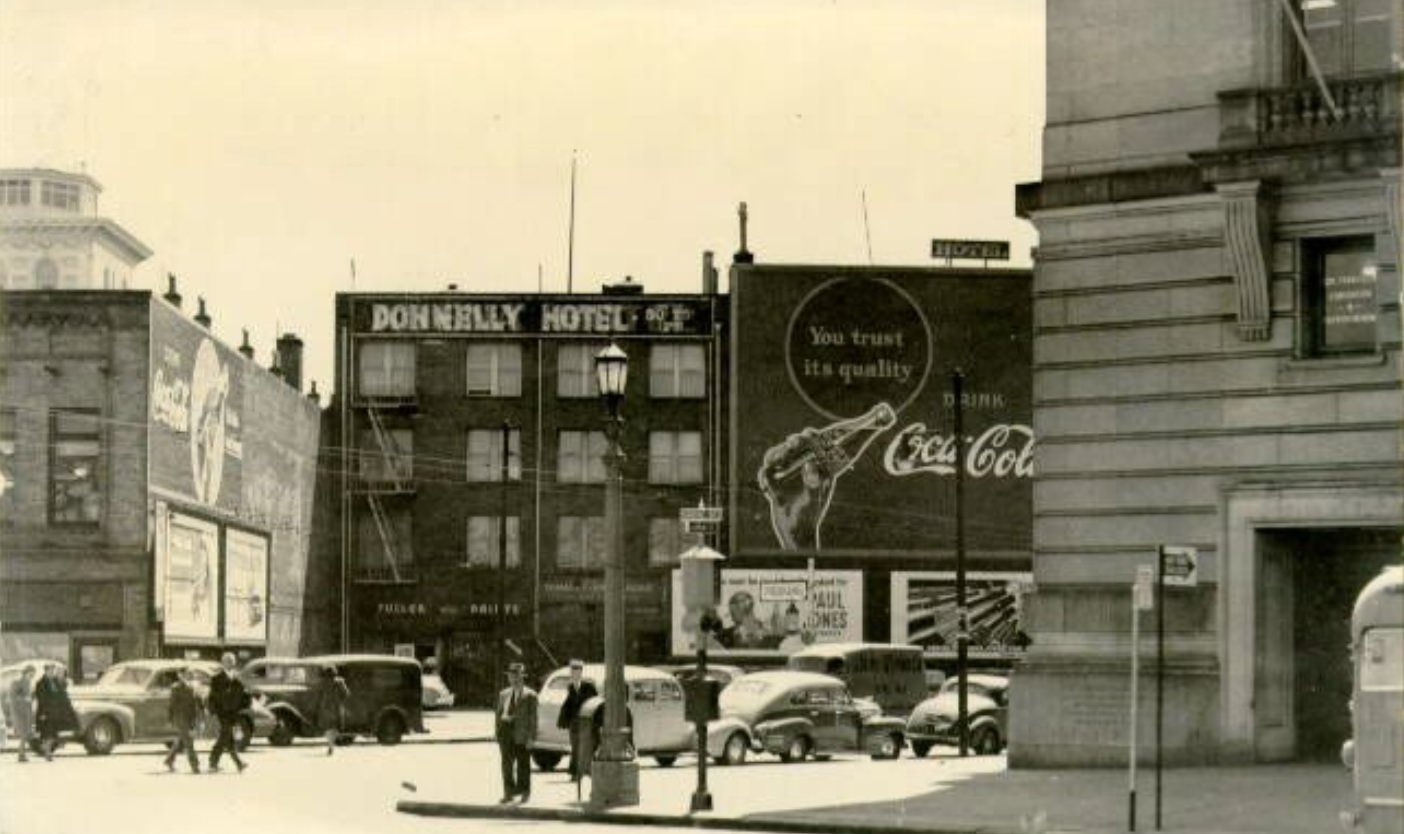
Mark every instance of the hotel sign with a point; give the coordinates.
(988, 250)
(641, 316)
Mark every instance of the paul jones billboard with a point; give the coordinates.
(924, 612)
(775, 612)
(850, 444)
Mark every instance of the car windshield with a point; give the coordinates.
(124, 675)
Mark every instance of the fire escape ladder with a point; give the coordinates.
(382, 526)
(389, 453)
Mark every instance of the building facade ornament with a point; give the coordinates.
(1246, 222)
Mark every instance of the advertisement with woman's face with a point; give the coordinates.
(192, 580)
(775, 612)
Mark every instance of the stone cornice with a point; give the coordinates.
(127, 243)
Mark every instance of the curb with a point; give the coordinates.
(756, 823)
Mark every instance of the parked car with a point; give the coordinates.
(655, 714)
(936, 720)
(795, 715)
(128, 704)
(386, 695)
(436, 694)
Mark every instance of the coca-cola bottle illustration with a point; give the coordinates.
(798, 475)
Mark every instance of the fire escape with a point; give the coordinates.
(384, 481)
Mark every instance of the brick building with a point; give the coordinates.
(155, 485)
(470, 428)
(1216, 365)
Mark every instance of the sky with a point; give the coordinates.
(259, 147)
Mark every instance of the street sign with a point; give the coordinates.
(1144, 589)
(988, 250)
(700, 519)
(1181, 566)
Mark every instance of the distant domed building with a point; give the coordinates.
(52, 237)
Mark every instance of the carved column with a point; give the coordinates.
(1245, 236)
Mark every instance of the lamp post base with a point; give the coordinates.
(613, 784)
(701, 801)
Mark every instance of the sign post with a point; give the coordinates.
(1177, 566)
(1142, 599)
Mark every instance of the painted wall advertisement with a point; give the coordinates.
(245, 587)
(855, 450)
(924, 612)
(232, 442)
(775, 612)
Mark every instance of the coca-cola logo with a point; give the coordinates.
(1004, 450)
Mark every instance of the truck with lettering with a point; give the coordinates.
(892, 676)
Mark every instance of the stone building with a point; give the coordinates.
(1216, 365)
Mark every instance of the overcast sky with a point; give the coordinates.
(258, 147)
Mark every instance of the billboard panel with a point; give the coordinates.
(924, 612)
(776, 612)
(192, 580)
(843, 411)
(245, 587)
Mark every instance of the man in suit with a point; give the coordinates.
(516, 729)
(577, 693)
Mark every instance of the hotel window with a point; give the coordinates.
(485, 455)
(387, 455)
(385, 545)
(665, 541)
(675, 457)
(580, 542)
(580, 457)
(575, 370)
(495, 369)
(8, 435)
(74, 455)
(1351, 37)
(46, 274)
(1339, 277)
(387, 369)
(60, 195)
(677, 371)
(484, 534)
(14, 192)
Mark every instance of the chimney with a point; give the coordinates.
(625, 287)
(743, 255)
(313, 395)
(246, 349)
(709, 274)
(290, 359)
(203, 318)
(171, 295)
(276, 369)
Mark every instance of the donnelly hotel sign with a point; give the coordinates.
(654, 316)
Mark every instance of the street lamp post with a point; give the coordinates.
(614, 774)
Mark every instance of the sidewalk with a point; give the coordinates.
(984, 797)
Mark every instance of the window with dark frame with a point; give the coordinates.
(485, 455)
(484, 533)
(9, 438)
(665, 541)
(677, 371)
(75, 452)
(580, 457)
(373, 557)
(387, 369)
(575, 370)
(14, 192)
(675, 457)
(389, 463)
(580, 542)
(494, 369)
(1338, 289)
(60, 195)
(1348, 37)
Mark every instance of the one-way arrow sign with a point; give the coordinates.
(1180, 566)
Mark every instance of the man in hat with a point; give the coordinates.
(516, 729)
(577, 693)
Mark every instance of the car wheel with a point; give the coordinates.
(921, 748)
(390, 729)
(734, 753)
(890, 748)
(545, 761)
(242, 732)
(284, 733)
(986, 741)
(101, 737)
(665, 761)
(797, 750)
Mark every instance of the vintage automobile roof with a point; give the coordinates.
(596, 671)
(30, 661)
(336, 659)
(837, 649)
(790, 677)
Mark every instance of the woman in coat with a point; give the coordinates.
(21, 696)
(53, 713)
(331, 701)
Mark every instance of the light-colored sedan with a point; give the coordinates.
(656, 715)
(434, 693)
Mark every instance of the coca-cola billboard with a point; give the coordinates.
(844, 411)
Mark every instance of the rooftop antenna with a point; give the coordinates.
(743, 255)
(867, 232)
(538, 278)
(570, 245)
(353, 275)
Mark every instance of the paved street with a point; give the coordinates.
(299, 789)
